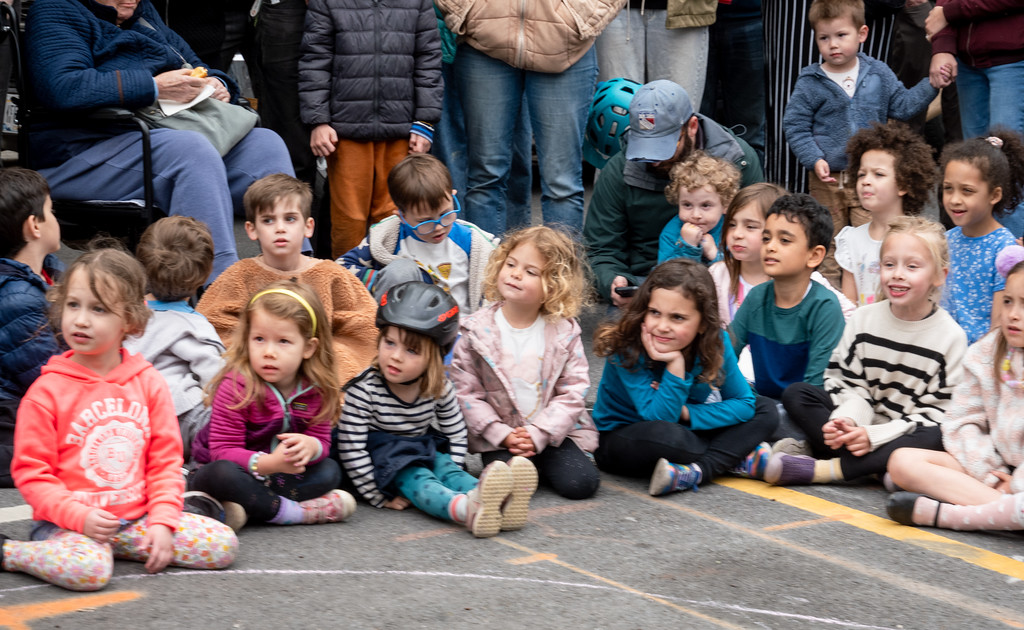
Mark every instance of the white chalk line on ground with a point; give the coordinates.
(475, 576)
(17, 513)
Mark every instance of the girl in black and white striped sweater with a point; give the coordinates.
(891, 377)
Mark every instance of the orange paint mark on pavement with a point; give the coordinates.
(14, 617)
(537, 557)
(427, 533)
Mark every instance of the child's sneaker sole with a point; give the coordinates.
(524, 483)
(494, 487)
(661, 479)
(235, 515)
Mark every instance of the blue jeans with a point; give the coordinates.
(450, 147)
(189, 177)
(992, 97)
(492, 97)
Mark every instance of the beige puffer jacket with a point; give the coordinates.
(690, 13)
(538, 35)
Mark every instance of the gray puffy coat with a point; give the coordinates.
(370, 68)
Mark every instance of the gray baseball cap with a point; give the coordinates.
(656, 114)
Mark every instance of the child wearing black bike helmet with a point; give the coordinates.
(385, 440)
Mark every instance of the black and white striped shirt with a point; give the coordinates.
(370, 406)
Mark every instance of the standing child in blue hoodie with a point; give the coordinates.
(846, 92)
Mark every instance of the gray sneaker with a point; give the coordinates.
(792, 446)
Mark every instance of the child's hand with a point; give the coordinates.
(275, 462)
(674, 362)
(398, 503)
(856, 441)
(418, 144)
(159, 540)
(822, 170)
(691, 234)
(100, 525)
(526, 446)
(298, 448)
(323, 140)
(707, 243)
(1004, 481)
(942, 70)
(830, 431)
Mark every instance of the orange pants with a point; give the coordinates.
(840, 197)
(358, 175)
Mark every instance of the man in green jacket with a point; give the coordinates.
(628, 209)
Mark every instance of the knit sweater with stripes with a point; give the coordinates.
(892, 376)
(370, 406)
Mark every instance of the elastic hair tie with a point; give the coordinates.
(995, 141)
(1008, 258)
(298, 298)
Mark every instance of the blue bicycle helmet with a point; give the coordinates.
(608, 119)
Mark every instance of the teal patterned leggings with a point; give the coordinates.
(431, 490)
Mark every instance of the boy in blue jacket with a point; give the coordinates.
(833, 100)
(29, 236)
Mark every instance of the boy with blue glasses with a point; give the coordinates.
(425, 240)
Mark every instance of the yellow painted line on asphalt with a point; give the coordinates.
(882, 526)
(1001, 614)
(619, 585)
(14, 617)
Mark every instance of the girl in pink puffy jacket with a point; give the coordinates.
(519, 368)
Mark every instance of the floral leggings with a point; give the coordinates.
(79, 563)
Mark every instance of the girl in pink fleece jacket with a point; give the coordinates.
(978, 481)
(97, 450)
(519, 369)
(273, 407)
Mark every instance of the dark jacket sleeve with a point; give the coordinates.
(429, 88)
(60, 61)
(315, 65)
(605, 228)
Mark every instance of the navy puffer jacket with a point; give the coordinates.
(370, 68)
(26, 340)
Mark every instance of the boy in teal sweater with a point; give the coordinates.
(790, 322)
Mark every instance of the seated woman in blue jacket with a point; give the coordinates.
(672, 403)
(87, 54)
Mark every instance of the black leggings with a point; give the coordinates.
(227, 481)
(632, 450)
(810, 407)
(566, 468)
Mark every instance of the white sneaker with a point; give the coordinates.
(483, 510)
(516, 510)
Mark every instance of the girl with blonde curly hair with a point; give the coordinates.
(520, 370)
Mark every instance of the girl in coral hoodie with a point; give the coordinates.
(97, 447)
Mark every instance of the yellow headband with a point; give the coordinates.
(301, 300)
